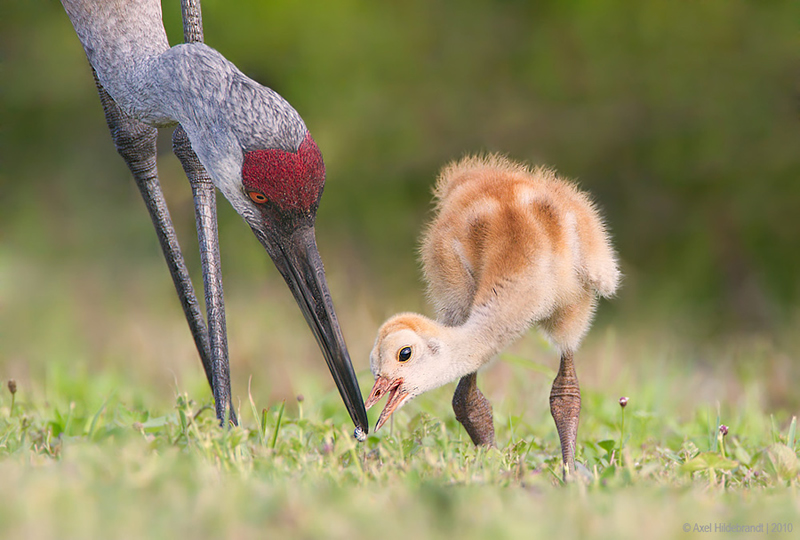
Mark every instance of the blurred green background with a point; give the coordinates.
(680, 117)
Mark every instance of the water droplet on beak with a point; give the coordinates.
(359, 434)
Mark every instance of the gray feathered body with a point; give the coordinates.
(224, 112)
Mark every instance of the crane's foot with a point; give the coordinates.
(474, 411)
(565, 406)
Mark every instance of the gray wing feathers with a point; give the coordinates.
(192, 83)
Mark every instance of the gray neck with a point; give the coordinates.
(121, 40)
(218, 106)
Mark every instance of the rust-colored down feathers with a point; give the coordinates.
(520, 241)
(508, 247)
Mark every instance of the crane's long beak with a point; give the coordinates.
(297, 258)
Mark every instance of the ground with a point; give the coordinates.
(93, 457)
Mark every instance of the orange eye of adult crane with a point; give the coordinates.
(256, 197)
(404, 354)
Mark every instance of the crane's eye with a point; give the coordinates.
(404, 354)
(256, 197)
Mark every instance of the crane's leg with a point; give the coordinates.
(205, 203)
(565, 406)
(474, 411)
(136, 143)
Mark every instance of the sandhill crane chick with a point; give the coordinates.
(509, 247)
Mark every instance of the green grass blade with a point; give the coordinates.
(184, 421)
(263, 427)
(776, 438)
(96, 416)
(260, 419)
(277, 426)
(713, 430)
(68, 421)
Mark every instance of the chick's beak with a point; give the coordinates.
(398, 396)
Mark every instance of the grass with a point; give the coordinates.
(110, 434)
(77, 461)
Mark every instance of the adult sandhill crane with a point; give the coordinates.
(509, 247)
(238, 136)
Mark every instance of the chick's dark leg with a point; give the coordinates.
(565, 406)
(474, 411)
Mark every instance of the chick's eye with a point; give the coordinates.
(404, 354)
(256, 197)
